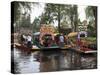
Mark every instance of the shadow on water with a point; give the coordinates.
(46, 61)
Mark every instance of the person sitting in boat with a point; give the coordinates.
(68, 42)
(45, 43)
(52, 43)
(29, 41)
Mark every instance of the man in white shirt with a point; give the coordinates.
(29, 38)
(61, 38)
(29, 41)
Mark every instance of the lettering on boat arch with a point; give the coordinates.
(46, 29)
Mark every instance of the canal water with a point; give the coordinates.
(39, 61)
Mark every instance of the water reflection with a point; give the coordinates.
(40, 61)
(25, 62)
(54, 62)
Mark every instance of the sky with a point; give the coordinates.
(38, 10)
(81, 11)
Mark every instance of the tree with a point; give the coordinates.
(59, 12)
(20, 8)
(73, 16)
(21, 14)
(25, 22)
(36, 25)
(91, 14)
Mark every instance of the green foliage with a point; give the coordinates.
(91, 31)
(22, 11)
(92, 39)
(36, 25)
(91, 14)
(61, 14)
(19, 7)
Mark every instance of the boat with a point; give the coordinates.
(23, 47)
(35, 48)
(55, 48)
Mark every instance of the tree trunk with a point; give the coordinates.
(75, 18)
(71, 18)
(59, 19)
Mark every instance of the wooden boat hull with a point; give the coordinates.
(22, 47)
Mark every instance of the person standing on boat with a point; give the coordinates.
(61, 40)
(29, 41)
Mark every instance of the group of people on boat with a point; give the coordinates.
(59, 40)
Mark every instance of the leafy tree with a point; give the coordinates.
(58, 12)
(73, 16)
(91, 31)
(21, 14)
(36, 25)
(20, 8)
(91, 14)
(25, 22)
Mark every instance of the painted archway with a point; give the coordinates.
(82, 32)
(46, 29)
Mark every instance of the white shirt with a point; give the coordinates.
(29, 38)
(61, 39)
